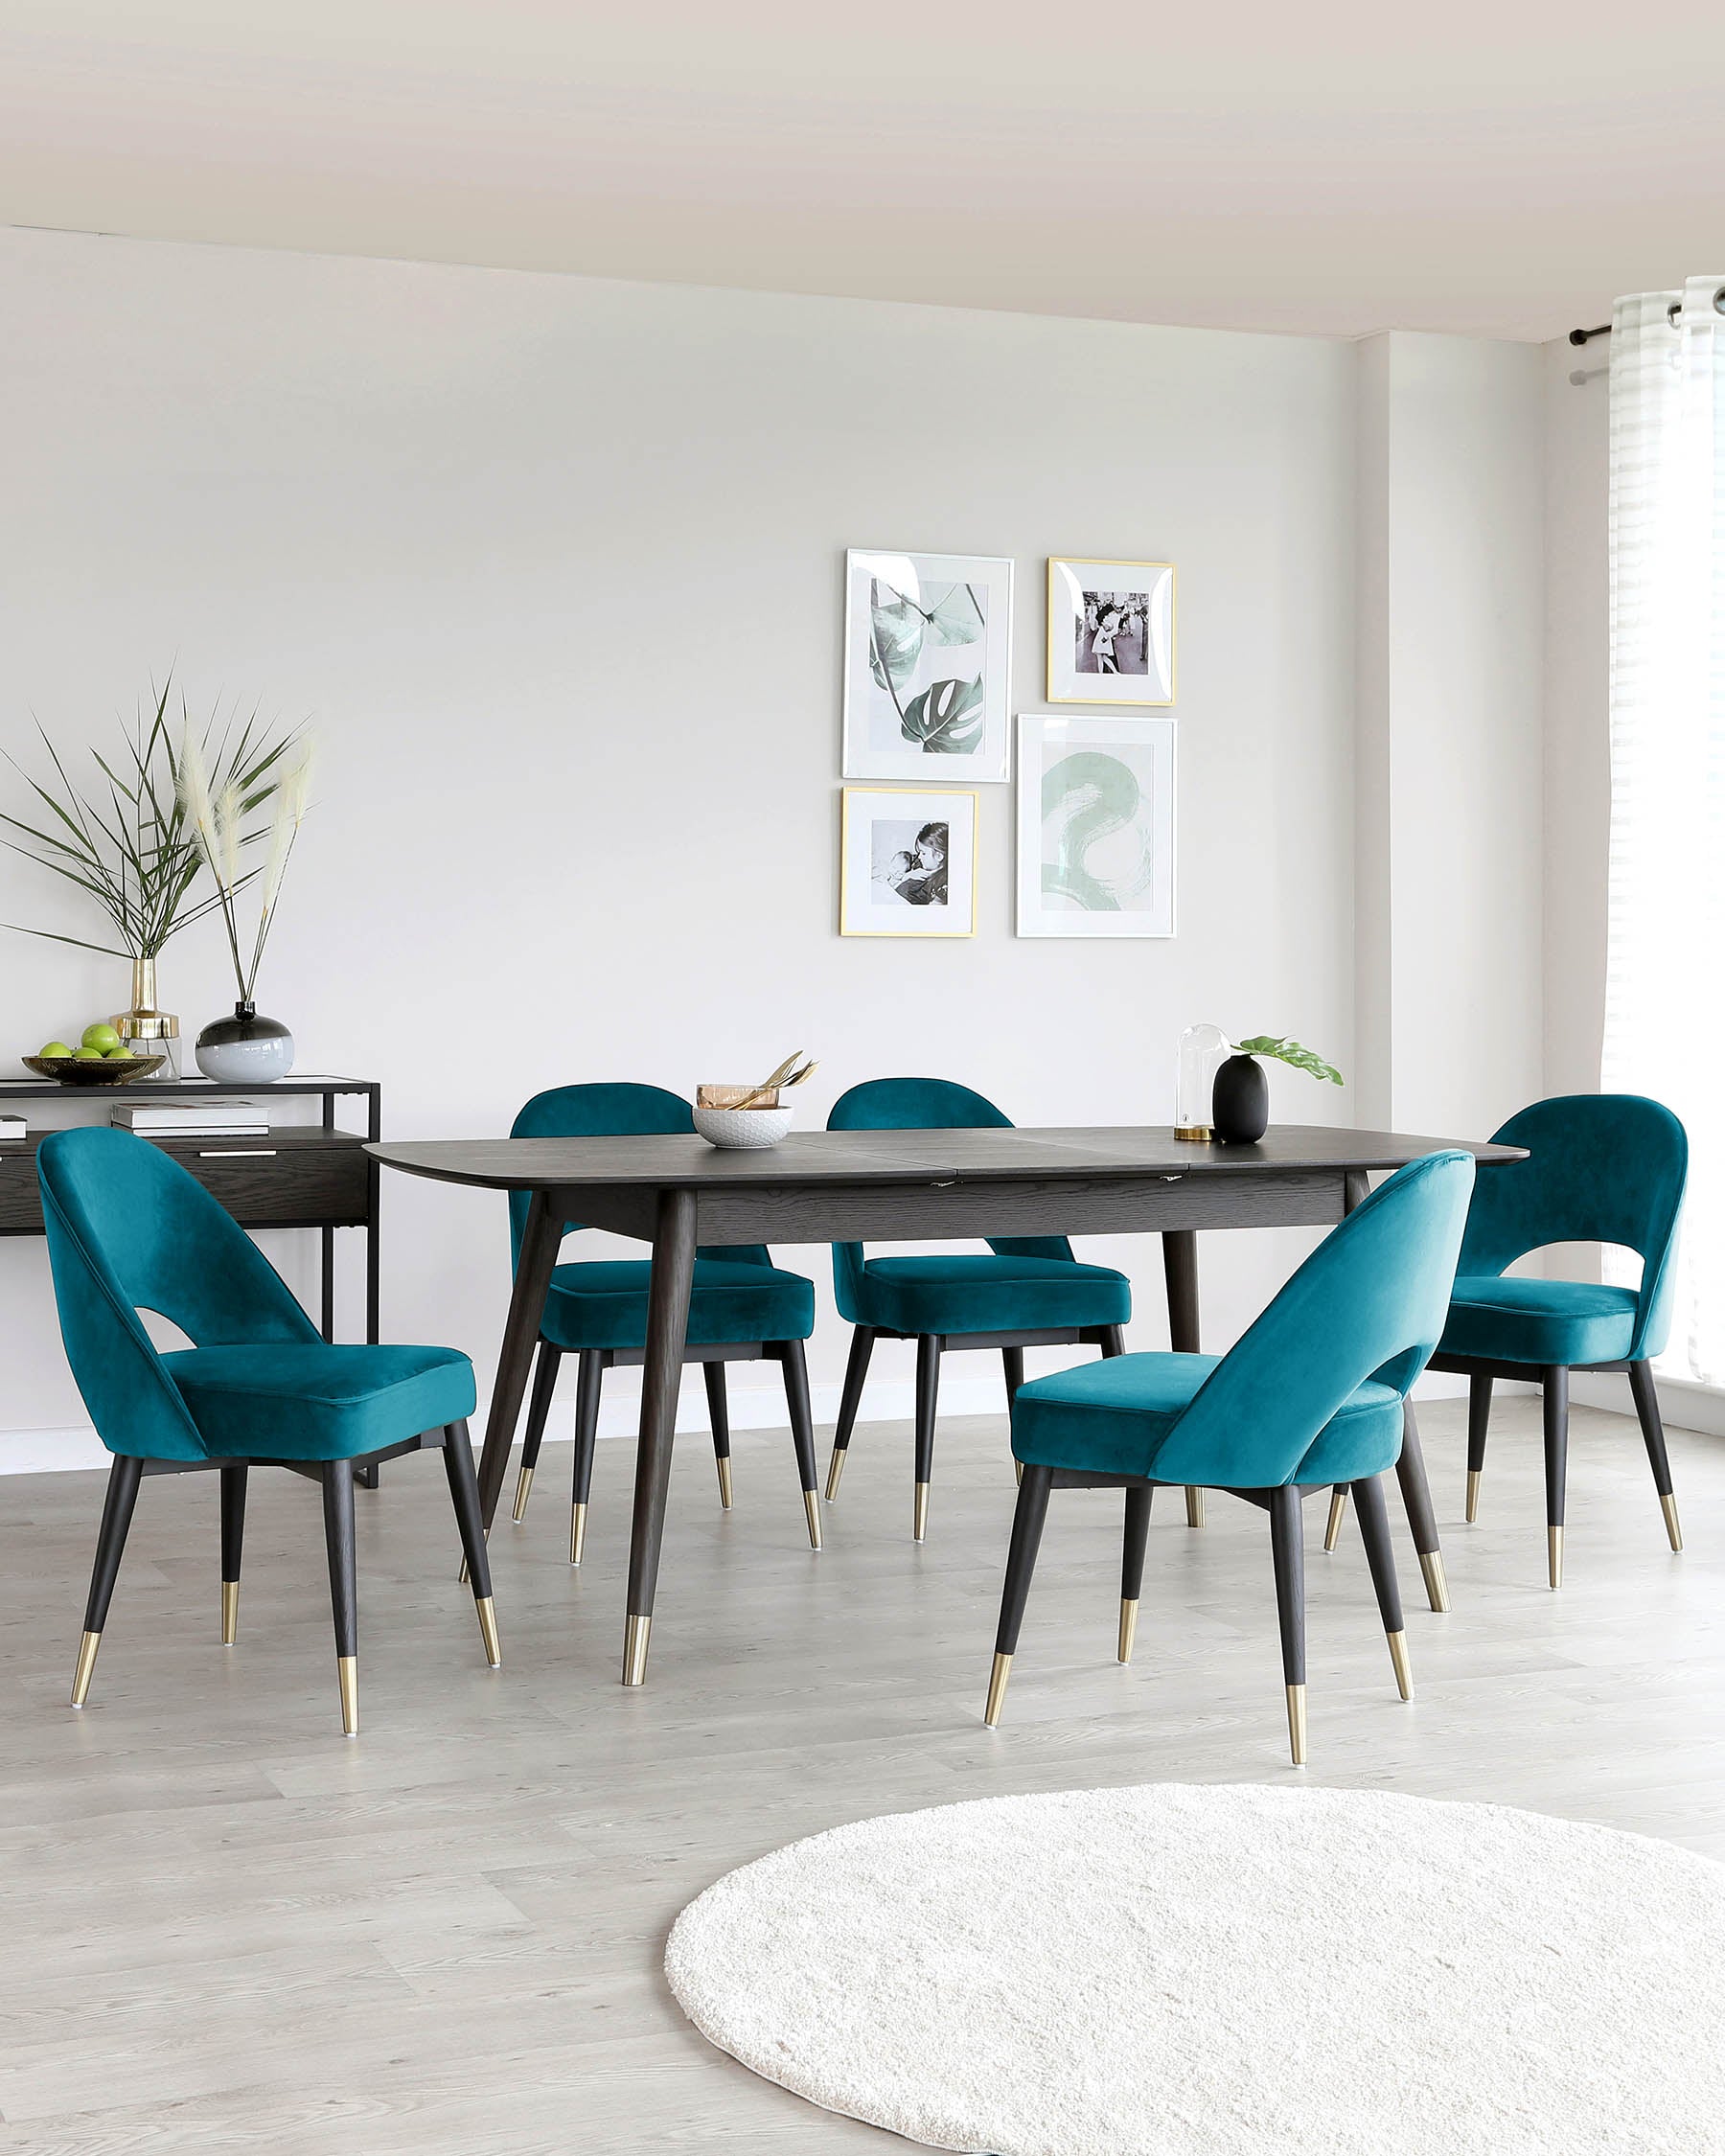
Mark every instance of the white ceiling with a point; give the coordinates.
(1331, 168)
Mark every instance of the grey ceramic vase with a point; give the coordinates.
(245, 1050)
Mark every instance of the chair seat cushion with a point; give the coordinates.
(1111, 1418)
(989, 1294)
(310, 1401)
(1511, 1320)
(603, 1303)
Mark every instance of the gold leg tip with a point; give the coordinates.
(347, 1674)
(86, 1661)
(1017, 1472)
(812, 1507)
(920, 1520)
(488, 1629)
(997, 1691)
(1673, 1528)
(524, 1489)
(230, 1612)
(835, 1469)
(1473, 1495)
(461, 1575)
(724, 1465)
(1554, 1555)
(1398, 1659)
(636, 1635)
(576, 1534)
(1128, 1627)
(1296, 1723)
(1338, 1513)
(1194, 1508)
(1436, 1582)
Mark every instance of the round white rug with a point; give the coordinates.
(1236, 1971)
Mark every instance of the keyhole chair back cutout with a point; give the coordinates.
(741, 1309)
(1029, 1293)
(1312, 1394)
(1601, 1168)
(128, 1230)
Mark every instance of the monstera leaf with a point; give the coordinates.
(1289, 1051)
(947, 718)
(955, 614)
(896, 638)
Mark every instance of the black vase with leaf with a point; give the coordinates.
(1240, 1100)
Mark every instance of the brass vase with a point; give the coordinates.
(150, 1031)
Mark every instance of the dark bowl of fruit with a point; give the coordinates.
(101, 1059)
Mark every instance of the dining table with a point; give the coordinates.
(678, 1193)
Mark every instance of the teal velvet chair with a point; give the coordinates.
(1031, 1292)
(1310, 1397)
(741, 1309)
(129, 1230)
(1601, 1168)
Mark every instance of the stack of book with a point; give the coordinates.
(12, 1130)
(209, 1119)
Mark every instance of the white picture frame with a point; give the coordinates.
(1096, 845)
(928, 656)
(1112, 628)
(906, 862)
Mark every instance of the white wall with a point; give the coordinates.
(555, 564)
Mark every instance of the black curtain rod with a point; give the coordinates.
(1582, 336)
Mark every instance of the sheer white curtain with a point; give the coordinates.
(1665, 992)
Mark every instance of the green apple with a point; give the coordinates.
(119, 1052)
(100, 1037)
(87, 1055)
(53, 1048)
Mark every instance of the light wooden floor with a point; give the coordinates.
(228, 1929)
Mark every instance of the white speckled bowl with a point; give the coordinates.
(743, 1128)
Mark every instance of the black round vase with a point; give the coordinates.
(1240, 1102)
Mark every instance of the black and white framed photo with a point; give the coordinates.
(927, 639)
(1111, 632)
(1095, 826)
(908, 862)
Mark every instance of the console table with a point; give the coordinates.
(309, 1176)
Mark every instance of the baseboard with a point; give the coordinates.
(1682, 1404)
(752, 1407)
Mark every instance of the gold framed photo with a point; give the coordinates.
(906, 862)
(1111, 632)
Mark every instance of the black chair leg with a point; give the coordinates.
(1380, 1555)
(124, 1473)
(1113, 1340)
(464, 1495)
(1647, 1408)
(233, 1535)
(1479, 1421)
(802, 1430)
(539, 1407)
(1012, 1360)
(719, 1423)
(1555, 1389)
(589, 1375)
(344, 1590)
(1287, 1549)
(1132, 1561)
(927, 1390)
(856, 1370)
(1020, 1561)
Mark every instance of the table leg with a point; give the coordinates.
(661, 1376)
(1180, 1270)
(539, 1245)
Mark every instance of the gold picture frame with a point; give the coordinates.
(888, 866)
(1138, 669)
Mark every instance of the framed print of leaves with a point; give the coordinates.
(927, 645)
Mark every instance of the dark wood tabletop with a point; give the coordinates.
(850, 1156)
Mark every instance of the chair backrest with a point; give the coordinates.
(922, 1104)
(1601, 1168)
(619, 1109)
(1369, 1302)
(129, 1229)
